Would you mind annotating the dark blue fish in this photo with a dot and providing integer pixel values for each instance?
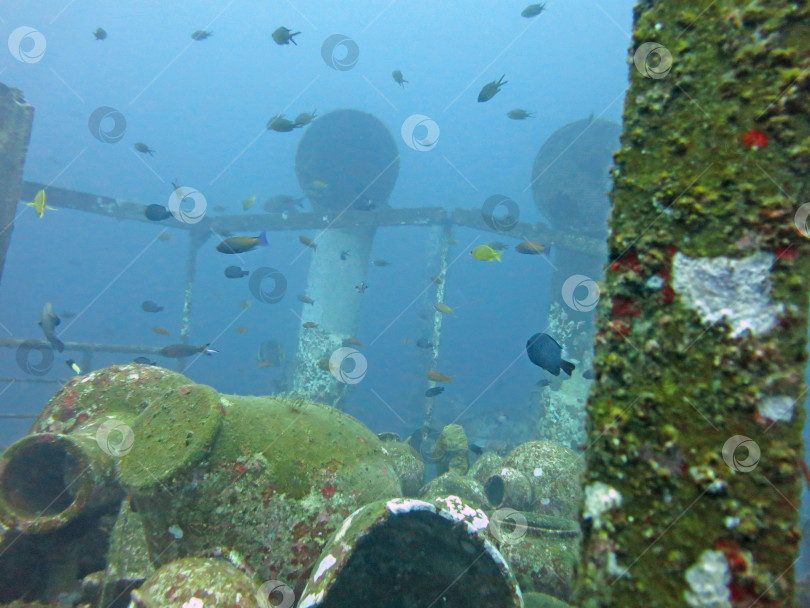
(544, 352)
(432, 392)
(157, 213)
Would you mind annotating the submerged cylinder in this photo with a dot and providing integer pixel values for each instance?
(347, 164)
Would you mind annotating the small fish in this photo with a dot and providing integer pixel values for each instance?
(235, 272)
(39, 204)
(444, 308)
(74, 366)
(240, 329)
(180, 351)
(361, 288)
(308, 242)
(498, 246)
(491, 88)
(245, 304)
(344, 254)
(279, 124)
(432, 392)
(100, 33)
(533, 10)
(143, 361)
(164, 236)
(305, 299)
(352, 342)
(436, 280)
(310, 325)
(150, 306)
(283, 202)
(242, 244)
(530, 248)
(588, 374)
(219, 208)
(263, 364)
(303, 119)
(424, 343)
(452, 241)
(67, 315)
(157, 213)
(248, 203)
(397, 76)
(48, 322)
(283, 35)
(381, 263)
(485, 253)
(161, 330)
(438, 377)
(519, 114)
(323, 365)
(544, 352)
(143, 148)
(318, 184)
(201, 34)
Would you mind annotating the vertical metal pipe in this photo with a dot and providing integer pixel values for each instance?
(16, 117)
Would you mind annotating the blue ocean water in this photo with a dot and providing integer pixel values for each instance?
(203, 106)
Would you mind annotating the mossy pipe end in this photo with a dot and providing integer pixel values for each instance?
(172, 435)
(48, 480)
(417, 550)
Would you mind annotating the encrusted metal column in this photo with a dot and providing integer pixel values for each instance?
(694, 449)
(16, 117)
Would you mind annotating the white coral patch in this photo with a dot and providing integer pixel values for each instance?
(406, 505)
(778, 408)
(456, 509)
(734, 291)
(708, 582)
(599, 499)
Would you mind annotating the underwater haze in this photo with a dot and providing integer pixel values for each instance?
(170, 97)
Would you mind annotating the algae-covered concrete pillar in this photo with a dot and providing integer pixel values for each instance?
(347, 163)
(16, 117)
(695, 417)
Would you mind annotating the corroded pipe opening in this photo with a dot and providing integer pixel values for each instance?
(495, 490)
(48, 479)
(508, 488)
(420, 558)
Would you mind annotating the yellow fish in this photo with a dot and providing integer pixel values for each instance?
(444, 308)
(248, 203)
(245, 304)
(39, 204)
(318, 184)
(485, 253)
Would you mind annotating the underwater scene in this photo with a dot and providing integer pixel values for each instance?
(307, 304)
